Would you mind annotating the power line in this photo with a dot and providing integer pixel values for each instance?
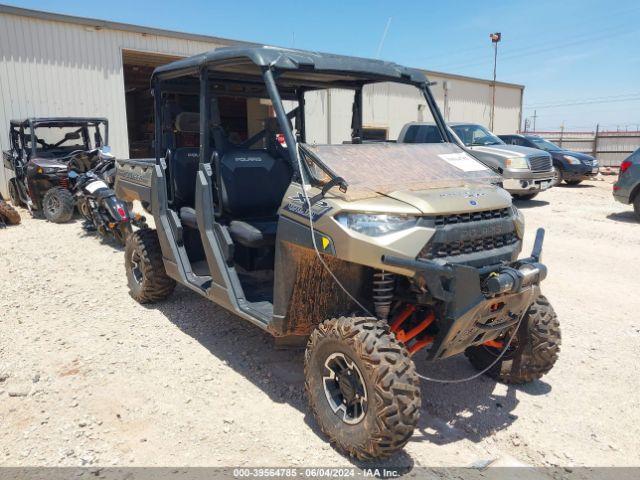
(577, 21)
(536, 50)
(588, 99)
(593, 102)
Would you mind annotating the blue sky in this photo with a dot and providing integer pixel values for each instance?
(579, 59)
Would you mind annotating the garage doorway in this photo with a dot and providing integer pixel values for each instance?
(138, 67)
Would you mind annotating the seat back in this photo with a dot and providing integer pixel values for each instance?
(252, 183)
(184, 168)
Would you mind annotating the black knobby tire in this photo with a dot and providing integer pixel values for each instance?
(573, 182)
(148, 281)
(14, 195)
(389, 377)
(636, 206)
(58, 205)
(527, 196)
(534, 352)
(9, 214)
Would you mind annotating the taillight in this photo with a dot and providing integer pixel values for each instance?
(624, 166)
(122, 212)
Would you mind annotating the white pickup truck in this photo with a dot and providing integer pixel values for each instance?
(525, 171)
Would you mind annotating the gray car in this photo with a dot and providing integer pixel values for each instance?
(525, 171)
(627, 188)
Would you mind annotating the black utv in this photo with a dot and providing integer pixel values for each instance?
(42, 152)
(367, 252)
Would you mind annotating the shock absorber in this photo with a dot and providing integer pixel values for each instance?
(383, 287)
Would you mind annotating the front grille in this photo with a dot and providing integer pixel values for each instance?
(441, 220)
(540, 164)
(472, 237)
(484, 244)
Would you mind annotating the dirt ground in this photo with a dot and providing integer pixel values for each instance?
(89, 377)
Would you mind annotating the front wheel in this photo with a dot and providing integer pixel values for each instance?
(57, 205)
(573, 182)
(148, 280)
(362, 386)
(533, 351)
(557, 176)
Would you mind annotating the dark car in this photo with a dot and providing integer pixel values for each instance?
(627, 188)
(572, 167)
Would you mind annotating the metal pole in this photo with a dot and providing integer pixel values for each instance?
(493, 99)
(595, 141)
(495, 38)
(535, 115)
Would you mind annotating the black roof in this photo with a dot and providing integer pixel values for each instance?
(57, 121)
(291, 59)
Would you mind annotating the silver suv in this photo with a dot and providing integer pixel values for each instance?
(525, 171)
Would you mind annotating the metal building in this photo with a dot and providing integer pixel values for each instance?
(60, 65)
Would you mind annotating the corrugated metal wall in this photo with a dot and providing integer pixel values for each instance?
(52, 68)
(61, 68)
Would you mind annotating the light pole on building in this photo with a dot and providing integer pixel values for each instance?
(495, 38)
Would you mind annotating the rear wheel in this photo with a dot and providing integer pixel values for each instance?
(533, 351)
(573, 182)
(636, 206)
(57, 205)
(122, 232)
(148, 280)
(13, 194)
(362, 386)
(9, 214)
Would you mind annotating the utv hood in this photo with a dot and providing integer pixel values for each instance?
(393, 169)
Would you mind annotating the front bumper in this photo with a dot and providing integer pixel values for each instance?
(480, 303)
(526, 182)
(579, 172)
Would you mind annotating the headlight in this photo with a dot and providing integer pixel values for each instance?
(517, 162)
(375, 225)
(519, 222)
(572, 160)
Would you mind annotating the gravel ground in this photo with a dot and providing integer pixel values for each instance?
(89, 377)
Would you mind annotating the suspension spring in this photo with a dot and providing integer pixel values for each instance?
(383, 287)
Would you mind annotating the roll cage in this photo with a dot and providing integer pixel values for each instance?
(22, 133)
(276, 74)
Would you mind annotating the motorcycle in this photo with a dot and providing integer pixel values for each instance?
(97, 202)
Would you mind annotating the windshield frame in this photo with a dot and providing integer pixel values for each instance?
(81, 125)
(357, 117)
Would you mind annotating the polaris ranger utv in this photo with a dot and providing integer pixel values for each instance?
(42, 152)
(370, 252)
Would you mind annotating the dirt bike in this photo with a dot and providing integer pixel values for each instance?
(97, 203)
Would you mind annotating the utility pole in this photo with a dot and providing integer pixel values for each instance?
(535, 115)
(495, 38)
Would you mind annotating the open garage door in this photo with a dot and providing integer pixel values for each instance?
(138, 67)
